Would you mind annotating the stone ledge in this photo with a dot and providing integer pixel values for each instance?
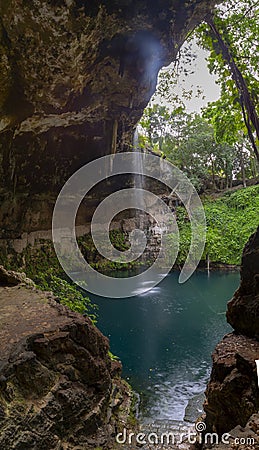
(58, 385)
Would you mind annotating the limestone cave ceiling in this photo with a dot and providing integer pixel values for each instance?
(75, 78)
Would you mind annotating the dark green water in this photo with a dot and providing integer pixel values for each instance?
(165, 338)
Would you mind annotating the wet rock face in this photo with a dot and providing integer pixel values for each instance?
(232, 394)
(58, 386)
(75, 78)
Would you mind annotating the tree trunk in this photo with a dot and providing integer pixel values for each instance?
(247, 104)
(226, 175)
(242, 165)
(213, 174)
(231, 179)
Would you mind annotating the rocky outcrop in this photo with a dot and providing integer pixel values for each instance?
(240, 438)
(59, 388)
(75, 78)
(232, 395)
(243, 309)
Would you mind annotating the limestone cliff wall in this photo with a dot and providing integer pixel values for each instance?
(75, 78)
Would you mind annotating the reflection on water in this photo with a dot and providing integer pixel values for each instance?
(165, 337)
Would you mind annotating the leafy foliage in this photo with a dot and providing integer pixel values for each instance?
(171, 80)
(238, 27)
(188, 141)
(119, 240)
(68, 293)
(42, 266)
(231, 219)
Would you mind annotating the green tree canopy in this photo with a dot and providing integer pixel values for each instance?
(232, 37)
(188, 141)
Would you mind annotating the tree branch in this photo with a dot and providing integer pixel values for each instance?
(246, 101)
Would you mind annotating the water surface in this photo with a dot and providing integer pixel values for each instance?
(165, 338)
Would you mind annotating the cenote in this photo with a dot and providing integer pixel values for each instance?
(165, 338)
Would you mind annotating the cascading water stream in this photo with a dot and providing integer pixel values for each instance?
(138, 182)
(146, 224)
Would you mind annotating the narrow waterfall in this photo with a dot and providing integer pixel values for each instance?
(152, 224)
(138, 181)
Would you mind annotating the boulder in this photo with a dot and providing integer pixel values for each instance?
(232, 395)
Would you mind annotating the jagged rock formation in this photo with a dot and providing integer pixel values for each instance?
(243, 309)
(240, 438)
(232, 393)
(59, 388)
(75, 78)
